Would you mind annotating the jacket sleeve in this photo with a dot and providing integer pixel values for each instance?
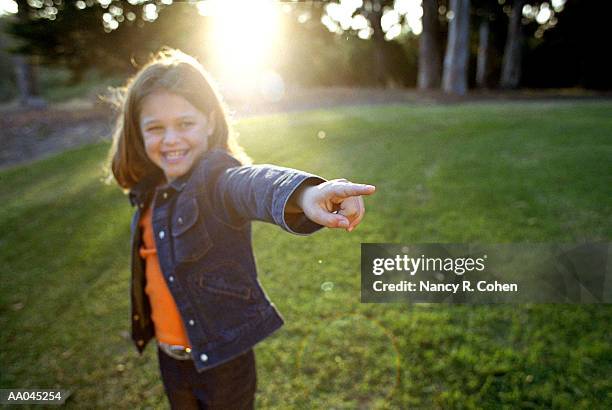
(240, 193)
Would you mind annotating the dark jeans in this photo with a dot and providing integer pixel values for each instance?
(230, 385)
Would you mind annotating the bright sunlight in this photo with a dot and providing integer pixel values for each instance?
(243, 38)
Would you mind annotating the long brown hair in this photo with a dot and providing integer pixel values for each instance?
(173, 71)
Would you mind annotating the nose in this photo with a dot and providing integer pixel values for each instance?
(171, 136)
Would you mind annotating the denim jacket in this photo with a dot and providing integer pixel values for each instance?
(201, 223)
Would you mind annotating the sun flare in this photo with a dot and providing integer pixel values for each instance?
(243, 36)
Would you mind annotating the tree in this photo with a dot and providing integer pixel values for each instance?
(84, 35)
(490, 30)
(26, 73)
(429, 47)
(383, 54)
(482, 65)
(373, 11)
(511, 65)
(454, 78)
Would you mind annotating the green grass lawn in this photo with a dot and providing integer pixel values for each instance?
(488, 173)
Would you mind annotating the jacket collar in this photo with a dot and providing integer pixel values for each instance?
(142, 193)
(179, 183)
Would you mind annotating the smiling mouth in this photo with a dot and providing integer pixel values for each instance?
(174, 156)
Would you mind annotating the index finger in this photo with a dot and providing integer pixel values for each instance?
(350, 189)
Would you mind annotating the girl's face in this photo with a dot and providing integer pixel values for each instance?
(175, 133)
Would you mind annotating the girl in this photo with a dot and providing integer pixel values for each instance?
(194, 284)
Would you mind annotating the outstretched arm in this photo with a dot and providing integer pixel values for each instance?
(297, 201)
(257, 192)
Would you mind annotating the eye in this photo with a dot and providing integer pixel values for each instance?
(186, 124)
(155, 128)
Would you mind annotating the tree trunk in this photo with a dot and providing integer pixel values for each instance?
(374, 15)
(26, 73)
(26, 80)
(511, 64)
(454, 79)
(482, 66)
(429, 48)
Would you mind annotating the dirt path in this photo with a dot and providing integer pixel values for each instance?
(28, 135)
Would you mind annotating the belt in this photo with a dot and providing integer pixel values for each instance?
(175, 351)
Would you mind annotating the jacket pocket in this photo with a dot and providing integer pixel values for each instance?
(190, 237)
(223, 288)
(226, 279)
(227, 298)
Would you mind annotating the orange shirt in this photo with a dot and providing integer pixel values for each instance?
(169, 327)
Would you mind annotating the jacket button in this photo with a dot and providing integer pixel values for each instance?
(203, 357)
(171, 278)
(180, 220)
(140, 342)
(141, 205)
(165, 195)
(191, 322)
(136, 317)
(162, 234)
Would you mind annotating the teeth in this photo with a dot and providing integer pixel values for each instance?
(174, 154)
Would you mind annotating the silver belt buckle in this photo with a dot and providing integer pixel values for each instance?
(175, 351)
